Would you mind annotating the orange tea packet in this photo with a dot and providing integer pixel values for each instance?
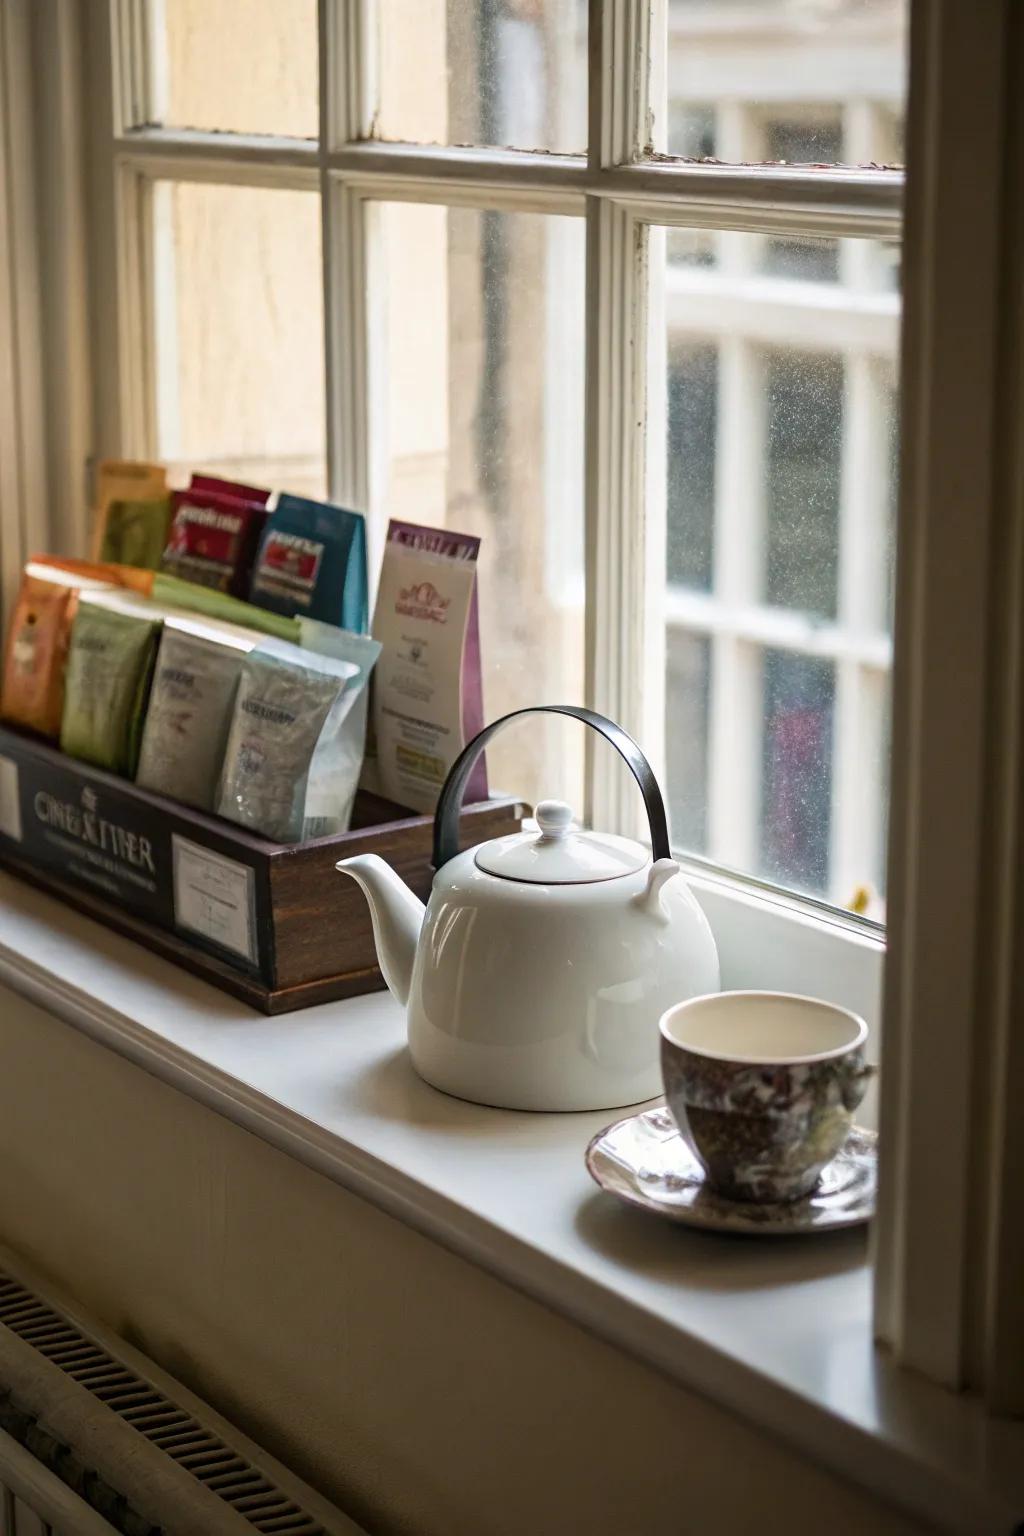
(105, 571)
(123, 480)
(37, 646)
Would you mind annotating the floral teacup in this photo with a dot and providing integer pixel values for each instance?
(763, 1086)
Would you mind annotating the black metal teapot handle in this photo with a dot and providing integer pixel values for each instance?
(449, 805)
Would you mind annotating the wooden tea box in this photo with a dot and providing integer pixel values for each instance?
(272, 923)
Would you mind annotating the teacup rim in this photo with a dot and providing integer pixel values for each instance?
(763, 1061)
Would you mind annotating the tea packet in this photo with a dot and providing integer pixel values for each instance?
(284, 698)
(190, 707)
(257, 495)
(173, 591)
(110, 661)
(427, 687)
(105, 572)
(135, 532)
(213, 538)
(37, 646)
(312, 561)
(123, 480)
(338, 759)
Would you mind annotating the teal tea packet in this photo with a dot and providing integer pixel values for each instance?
(190, 708)
(285, 696)
(135, 532)
(312, 562)
(110, 662)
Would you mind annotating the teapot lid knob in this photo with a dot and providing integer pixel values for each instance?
(554, 817)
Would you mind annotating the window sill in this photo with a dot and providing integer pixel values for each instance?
(779, 1333)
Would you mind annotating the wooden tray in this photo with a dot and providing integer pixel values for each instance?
(272, 923)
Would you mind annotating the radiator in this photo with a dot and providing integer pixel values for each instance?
(97, 1440)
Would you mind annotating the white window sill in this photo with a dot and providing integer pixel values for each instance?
(780, 1332)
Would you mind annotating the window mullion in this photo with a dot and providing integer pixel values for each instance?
(614, 432)
(615, 558)
(342, 108)
(348, 71)
(23, 477)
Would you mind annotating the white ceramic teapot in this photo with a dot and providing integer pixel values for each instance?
(537, 973)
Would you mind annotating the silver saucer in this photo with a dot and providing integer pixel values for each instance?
(644, 1161)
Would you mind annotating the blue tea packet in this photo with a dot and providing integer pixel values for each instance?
(312, 563)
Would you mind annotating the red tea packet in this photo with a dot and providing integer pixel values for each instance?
(214, 536)
(254, 493)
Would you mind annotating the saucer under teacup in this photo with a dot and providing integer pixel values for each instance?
(644, 1161)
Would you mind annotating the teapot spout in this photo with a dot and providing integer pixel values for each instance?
(397, 916)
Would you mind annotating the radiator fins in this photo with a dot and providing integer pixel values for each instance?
(172, 1430)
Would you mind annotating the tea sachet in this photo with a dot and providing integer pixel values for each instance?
(213, 538)
(190, 708)
(338, 759)
(123, 480)
(105, 572)
(257, 495)
(312, 561)
(284, 698)
(427, 687)
(37, 647)
(135, 532)
(221, 606)
(110, 661)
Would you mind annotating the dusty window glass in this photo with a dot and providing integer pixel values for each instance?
(815, 138)
(778, 499)
(234, 66)
(804, 411)
(508, 73)
(796, 769)
(478, 353)
(687, 695)
(743, 64)
(690, 511)
(691, 130)
(238, 322)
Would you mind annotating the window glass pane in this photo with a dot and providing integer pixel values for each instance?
(237, 66)
(477, 418)
(692, 414)
(510, 73)
(803, 393)
(773, 81)
(796, 769)
(687, 691)
(779, 507)
(238, 317)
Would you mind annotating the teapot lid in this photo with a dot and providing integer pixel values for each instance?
(559, 854)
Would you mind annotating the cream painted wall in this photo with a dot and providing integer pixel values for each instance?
(421, 1394)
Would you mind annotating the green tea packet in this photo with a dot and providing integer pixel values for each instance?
(110, 661)
(284, 698)
(135, 532)
(338, 759)
(220, 605)
(191, 703)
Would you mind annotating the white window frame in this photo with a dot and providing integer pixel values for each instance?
(953, 1075)
(623, 201)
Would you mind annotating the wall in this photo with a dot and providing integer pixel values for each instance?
(420, 1394)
